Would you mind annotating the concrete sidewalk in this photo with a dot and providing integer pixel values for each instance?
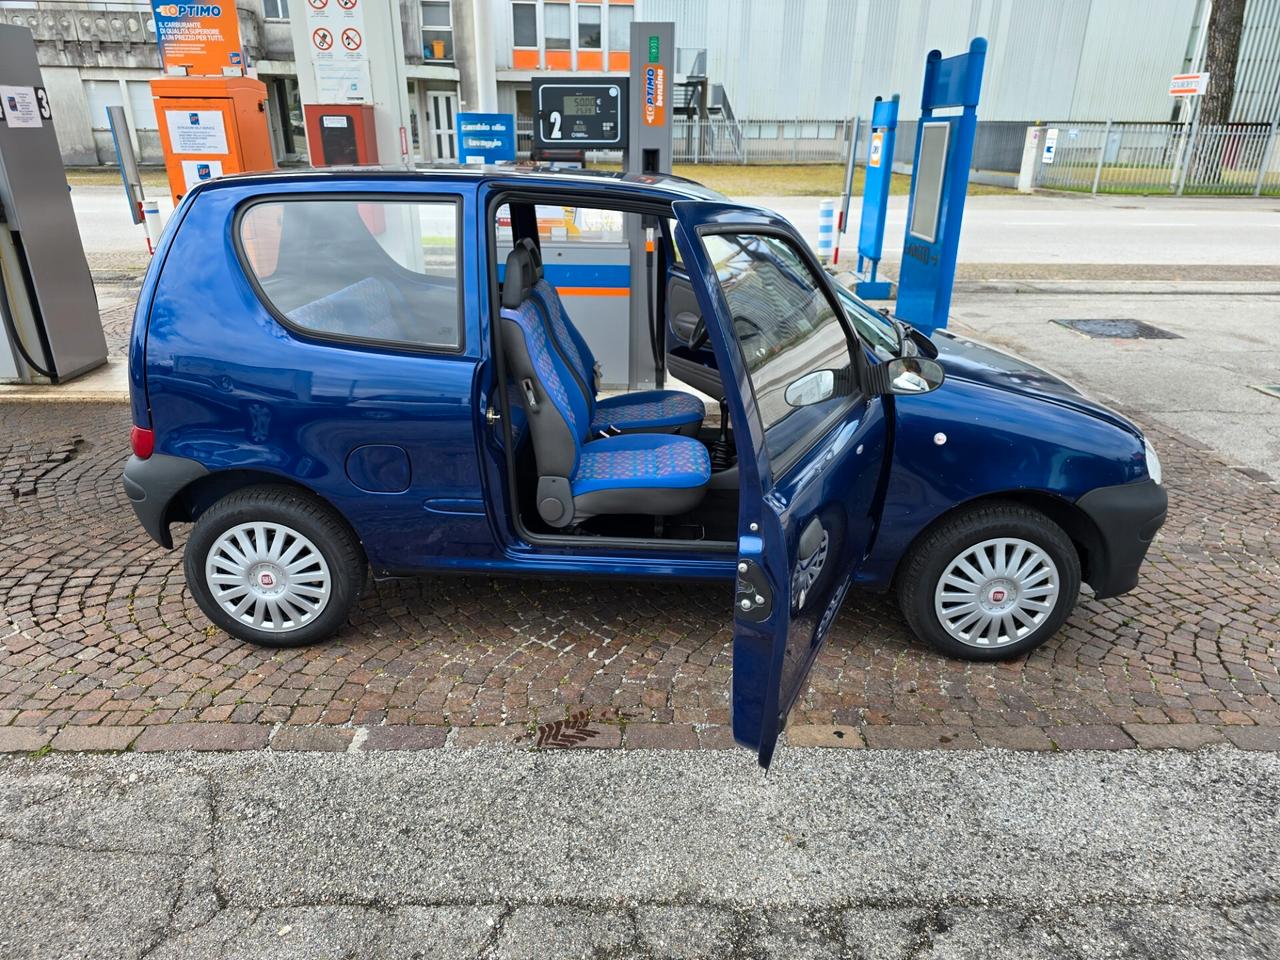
(1205, 384)
(492, 853)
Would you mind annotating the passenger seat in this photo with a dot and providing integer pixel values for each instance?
(580, 477)
(644, 411)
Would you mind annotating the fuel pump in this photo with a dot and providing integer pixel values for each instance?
(50, 327)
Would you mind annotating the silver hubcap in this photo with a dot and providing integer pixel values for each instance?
(996, 592)
(268, 576)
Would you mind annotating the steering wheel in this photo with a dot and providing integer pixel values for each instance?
(698, 339)
(756, 329)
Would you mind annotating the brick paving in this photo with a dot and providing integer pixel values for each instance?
(101, 647)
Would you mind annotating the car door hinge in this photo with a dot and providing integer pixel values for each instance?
(492, 417)
(753, 598)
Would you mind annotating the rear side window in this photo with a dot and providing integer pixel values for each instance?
(383, 271)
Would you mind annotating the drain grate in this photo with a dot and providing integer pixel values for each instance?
(1118, 329)
(1270, 389)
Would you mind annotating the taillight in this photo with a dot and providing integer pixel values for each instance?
(143, 442)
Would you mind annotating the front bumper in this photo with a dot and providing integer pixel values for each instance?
(1127, 518)
(151, 485)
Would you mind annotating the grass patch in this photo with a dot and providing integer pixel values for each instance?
(110, 177)
(749, 180)
(788, 180)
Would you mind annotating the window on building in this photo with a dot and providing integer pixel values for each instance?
(275, 9)
(588, 27)
(437, 30)
(555, 24)
(620, 18)
(393, 278)
(524, 24)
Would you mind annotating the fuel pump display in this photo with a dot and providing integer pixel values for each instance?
(579, 114)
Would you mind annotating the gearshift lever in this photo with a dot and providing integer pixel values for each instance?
(721, 451)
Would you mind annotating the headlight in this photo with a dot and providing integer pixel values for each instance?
(1153, 461)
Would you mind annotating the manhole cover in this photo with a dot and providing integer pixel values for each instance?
(1270, 389)
(1118, 329)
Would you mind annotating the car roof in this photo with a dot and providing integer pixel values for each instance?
(661, 186)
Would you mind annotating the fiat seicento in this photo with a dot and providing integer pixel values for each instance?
(418, 373)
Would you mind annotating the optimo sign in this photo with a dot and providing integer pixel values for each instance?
(654, 108)
(201, 38)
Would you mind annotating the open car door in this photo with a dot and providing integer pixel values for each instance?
(810, 442)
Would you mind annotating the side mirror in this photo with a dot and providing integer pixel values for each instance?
(905, 376)
(811, 388)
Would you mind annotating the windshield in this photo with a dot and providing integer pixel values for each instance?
(870, 325)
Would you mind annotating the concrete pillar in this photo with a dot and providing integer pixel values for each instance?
(474, 55)
(375, 71)
(71, 121)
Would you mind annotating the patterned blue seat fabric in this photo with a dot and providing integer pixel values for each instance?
(646, 411)
(579, 475)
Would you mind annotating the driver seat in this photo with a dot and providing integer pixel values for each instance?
(580, 477)
(644, 411)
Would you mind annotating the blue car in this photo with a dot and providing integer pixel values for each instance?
(415, 373)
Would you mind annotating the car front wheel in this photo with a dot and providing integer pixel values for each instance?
(991, 583)
(274, 566)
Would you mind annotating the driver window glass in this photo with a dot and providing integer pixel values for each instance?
(786, 329)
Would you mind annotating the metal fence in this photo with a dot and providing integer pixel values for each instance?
(1173, 158)
(1111, 157)
(738, 141)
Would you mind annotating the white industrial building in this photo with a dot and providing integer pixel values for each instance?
(790, 69)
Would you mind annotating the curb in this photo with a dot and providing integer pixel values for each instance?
(611, 735)
(1180, 288)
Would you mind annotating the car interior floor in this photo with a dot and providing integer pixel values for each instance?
(714, 520)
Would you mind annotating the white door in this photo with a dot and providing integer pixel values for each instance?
(444, 142)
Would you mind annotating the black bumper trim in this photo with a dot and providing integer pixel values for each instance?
(151, 485)
(1127, 518)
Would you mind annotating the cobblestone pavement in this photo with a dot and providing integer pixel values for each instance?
(102, 647)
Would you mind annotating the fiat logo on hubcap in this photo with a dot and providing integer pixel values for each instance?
(997, 596)
(266, 579)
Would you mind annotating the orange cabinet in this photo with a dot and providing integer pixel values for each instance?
(210, 126)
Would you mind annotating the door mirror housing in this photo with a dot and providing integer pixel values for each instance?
(906, 376)
(811, 388)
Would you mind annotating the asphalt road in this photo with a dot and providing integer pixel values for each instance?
(1068, 229)
(1008, 229)
(450, 853)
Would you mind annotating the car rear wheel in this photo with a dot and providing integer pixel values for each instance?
(274, 566)
(991, 583)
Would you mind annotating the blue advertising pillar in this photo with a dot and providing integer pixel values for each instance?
(875, 198)
(939, 181)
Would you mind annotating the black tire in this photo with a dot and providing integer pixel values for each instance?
(933, 553)
(308, 516)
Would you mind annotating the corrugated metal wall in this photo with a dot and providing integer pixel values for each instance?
(1047, 59)
(1258, 69)
(1078, 59)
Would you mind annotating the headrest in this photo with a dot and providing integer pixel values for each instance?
(518, 279)
(536, 255)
